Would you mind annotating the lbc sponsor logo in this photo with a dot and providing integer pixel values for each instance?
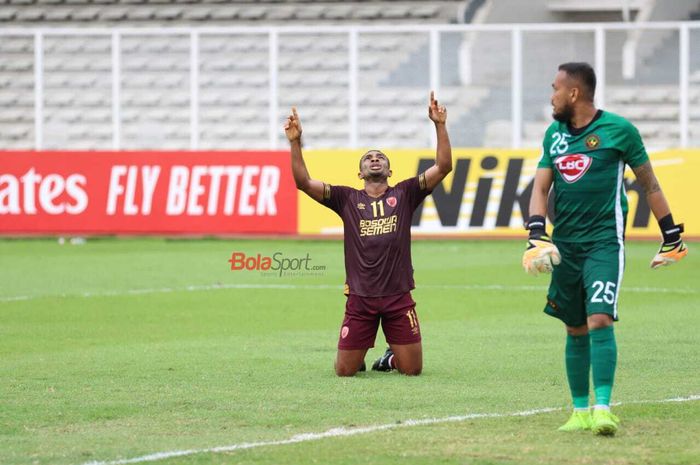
(573, 167)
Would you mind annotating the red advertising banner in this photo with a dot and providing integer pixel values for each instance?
(146, 193)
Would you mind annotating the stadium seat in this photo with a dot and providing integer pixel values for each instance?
(169, 14)
(695, 131)
(252, 13)
(201, 14)
(17, 81)
(332, 43)
(18, 44)
(141, 14)
(290, 43)
(140, 98)
(653, 94)
(93, 98)
(425, 11)
(17, 63)
(65, 115)
(335, 114)
(621, 94)
(397, 12)
(10, 115)
(370, 60)
(59, 98)
(666, 112)
(29, 14)
(309, 12)
(223, 12)
(250, 80)
(493, 136)
(114, 14)
(337, 12)
(281, 13)
(97, 115)
(14, 131)
(671, 131)
(8, 13)
(633, 112)
(649, 130)
(224, 98)
(169, 45)
(6, 80)
(59, 14)
(84, 13)
(365, 12)
(214, 114)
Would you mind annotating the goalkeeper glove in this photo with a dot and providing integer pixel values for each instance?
(541, 255)
(672, 248)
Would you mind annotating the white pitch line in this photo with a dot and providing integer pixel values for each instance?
(345, 432)
(213, 287)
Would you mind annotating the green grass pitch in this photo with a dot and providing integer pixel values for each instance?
(117, 349)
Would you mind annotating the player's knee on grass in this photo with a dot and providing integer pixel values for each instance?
(411, 370)
(348, 362)
(345, 370)
(408, 358)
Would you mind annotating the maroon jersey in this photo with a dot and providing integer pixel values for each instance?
(377, 236)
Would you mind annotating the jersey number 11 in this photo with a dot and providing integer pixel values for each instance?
(378, 206)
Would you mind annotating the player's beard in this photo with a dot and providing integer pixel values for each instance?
(565, 115)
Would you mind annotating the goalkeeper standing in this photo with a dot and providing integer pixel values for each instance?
(584, 155)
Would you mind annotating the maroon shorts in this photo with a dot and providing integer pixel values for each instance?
(363, 314)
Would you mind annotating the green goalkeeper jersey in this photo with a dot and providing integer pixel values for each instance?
(590, 203)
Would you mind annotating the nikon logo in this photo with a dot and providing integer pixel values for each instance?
(449, 199)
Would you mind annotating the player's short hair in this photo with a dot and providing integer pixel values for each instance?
(388, 163)
(583, 73)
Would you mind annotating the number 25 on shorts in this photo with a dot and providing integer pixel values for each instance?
(603, 292)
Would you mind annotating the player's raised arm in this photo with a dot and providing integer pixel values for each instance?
(672, 248)
(443, 158)
(292, 129)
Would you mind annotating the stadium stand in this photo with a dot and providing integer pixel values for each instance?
(233, 75)
(649, 97)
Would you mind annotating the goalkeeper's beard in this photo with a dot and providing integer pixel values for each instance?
(565, 115)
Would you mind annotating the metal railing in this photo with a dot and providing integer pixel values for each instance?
(434, 33)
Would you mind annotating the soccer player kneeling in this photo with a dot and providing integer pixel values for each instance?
(377, 230)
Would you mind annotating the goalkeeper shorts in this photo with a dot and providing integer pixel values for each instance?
(587, 281)
(397, 314)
